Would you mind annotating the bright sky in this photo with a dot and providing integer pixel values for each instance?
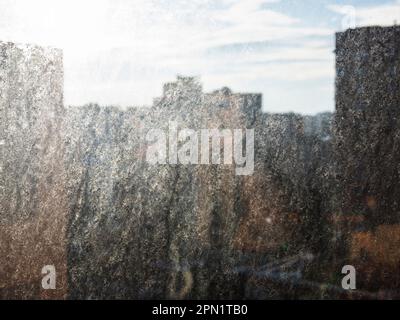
(120, 52)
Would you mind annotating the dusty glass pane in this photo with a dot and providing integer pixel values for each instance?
(202, 193)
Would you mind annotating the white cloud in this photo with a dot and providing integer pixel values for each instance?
(383, 14)
(252, 12)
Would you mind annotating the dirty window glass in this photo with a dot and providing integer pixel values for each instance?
(218, 149)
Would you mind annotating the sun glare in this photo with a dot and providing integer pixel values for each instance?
(69, 24)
